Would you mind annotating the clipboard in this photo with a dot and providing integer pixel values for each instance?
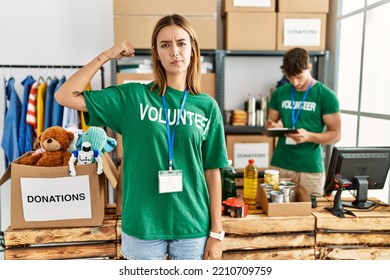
(279, 132)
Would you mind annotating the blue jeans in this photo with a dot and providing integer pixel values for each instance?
(184, 249)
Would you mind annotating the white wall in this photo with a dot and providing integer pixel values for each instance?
(49, 32)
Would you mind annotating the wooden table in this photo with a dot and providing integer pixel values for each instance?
(274, 238)
(319, 235)
(63, 243)
(364, 237)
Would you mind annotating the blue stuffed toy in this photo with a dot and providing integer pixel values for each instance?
(91, 145)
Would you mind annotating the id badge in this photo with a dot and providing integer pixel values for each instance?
(170, 181)
(290, 141)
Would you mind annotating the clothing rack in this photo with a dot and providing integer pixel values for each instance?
(53, 67)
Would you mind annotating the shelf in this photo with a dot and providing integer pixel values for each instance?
(267, 53)
(319, 59)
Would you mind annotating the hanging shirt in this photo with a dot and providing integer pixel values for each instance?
(11, 123)
(48, 119)
(41, 96)
(31, 116)
(5, 98)
(26, 136)
(70, 118)
(58, 109)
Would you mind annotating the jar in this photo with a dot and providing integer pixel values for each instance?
(271, 176)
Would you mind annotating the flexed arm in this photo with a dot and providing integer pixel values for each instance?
(69, 94)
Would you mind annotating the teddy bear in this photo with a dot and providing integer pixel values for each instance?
(55, 141)
(91, 145)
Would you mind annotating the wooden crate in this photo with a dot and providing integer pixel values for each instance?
(260, 237)
(119, 238)
(273, 238)
(364, 237)
(62, 243)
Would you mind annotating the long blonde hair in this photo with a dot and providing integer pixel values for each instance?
(194, 68)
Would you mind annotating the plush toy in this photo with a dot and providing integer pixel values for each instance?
(76, 133)
(91, 145)
(54, 141)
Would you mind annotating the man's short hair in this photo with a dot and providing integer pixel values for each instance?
(295, 61)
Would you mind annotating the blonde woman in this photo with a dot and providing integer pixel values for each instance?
(173, 142)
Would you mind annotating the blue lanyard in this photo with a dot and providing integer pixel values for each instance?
(295, 117)
(171, 138)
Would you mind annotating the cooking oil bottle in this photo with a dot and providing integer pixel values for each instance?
(250, 185)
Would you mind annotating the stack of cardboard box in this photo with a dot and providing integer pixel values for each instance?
(302, 23)
(275, 24)
(134, 20)
(249, 25)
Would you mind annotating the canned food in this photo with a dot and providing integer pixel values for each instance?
(271, 176)
(276, 197)
(287, 187)
(268, 188)
(287, 183)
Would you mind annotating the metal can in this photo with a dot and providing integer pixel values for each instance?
(268, 188)
(271, 176)
(276, 197)
(288, 189)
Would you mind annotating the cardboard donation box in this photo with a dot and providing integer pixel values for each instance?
(130, 15)
(241, 148)
(46, 197)
(248, 6)
(250, 31)
(306, 30)
(299, 206)
(303, 6)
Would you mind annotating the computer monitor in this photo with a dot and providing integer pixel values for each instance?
(365, 167)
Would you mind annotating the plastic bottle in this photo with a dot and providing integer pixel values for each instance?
(228, 178)
(251, 111)
(250, 185)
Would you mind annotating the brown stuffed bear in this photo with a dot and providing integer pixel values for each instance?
(55, 141)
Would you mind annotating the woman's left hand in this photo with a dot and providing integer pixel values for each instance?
(213, 249)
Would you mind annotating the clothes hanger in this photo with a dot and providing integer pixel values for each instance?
(3, 73)
(48, 78)
(40, 77)
(55, 76)
(11, 76)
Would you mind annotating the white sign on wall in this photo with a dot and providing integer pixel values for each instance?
(245, 151)
(252, 3)
(302, 32)
(48, 199)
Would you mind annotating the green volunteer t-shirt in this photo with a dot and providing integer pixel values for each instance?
(305, 157)
(199, 144)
